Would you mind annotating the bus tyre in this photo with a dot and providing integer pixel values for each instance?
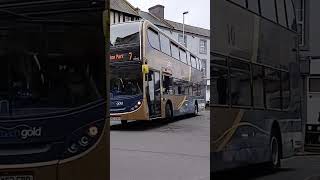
(275, 162)
(169, 114)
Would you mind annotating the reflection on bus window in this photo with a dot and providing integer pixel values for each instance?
(125, 36)
(273, 89)
(257, 78)
(220, 86)
(126, 81)
(47, 80)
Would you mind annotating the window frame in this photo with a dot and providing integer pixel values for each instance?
(250, 72)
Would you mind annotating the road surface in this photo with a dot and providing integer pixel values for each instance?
(295, 168)
(162, 151)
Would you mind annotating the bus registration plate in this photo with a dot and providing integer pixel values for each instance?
(18, 177)
(112, 119)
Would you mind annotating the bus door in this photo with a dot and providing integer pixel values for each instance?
(154, 94)
(313, 103)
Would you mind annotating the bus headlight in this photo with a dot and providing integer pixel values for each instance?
(136, 106)
(83, 138)
(309, 128)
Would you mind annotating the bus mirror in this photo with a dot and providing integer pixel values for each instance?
(145, 69)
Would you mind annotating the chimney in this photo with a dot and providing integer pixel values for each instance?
(158, 11)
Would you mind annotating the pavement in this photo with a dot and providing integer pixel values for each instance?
(157, 150)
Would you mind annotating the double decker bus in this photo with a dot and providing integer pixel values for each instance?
(152, 75)
(53, 90)
(256, 84)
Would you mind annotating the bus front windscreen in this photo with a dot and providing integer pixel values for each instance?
(47, 67)
(126, 80)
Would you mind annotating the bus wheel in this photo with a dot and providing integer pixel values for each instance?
(274, 151)
(169, 114)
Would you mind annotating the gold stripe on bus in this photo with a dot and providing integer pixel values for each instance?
(232, 131)
(237, 126)
(183, 101)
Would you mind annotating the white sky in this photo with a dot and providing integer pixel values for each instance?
(199, 10)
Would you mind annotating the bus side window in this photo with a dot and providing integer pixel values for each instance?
(286, 94)
(272, 88)
(154, 39)
(175, 51)
(258, 86)
(183, 56)
(165, 44)
(188, 59)
(167, 85)
(281, 13)
(253, 5)
(291, 15)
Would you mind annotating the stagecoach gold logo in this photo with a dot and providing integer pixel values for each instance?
(21, 132)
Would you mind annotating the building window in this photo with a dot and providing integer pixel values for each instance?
(180, 39)
(203, 46)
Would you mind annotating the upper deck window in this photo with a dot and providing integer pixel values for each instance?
(281, 13)
(240, 2)
(253, 5)
(183, 56)
(124, 34)
(165, 44)
(291, 15)
(154, 39)
(268, 9)
(175, 51)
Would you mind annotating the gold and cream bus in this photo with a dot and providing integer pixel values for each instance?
(255, 84)
(152, 75)
(53, 90)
